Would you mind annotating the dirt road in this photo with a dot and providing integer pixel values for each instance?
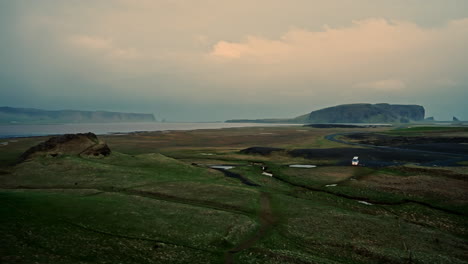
(267, 221)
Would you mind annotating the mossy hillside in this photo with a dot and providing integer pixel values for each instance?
(50, 218)
(311, 229)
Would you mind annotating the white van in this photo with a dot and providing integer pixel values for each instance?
(355, 161)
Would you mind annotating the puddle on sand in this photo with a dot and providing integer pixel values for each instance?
(302, 166)
(222, 167)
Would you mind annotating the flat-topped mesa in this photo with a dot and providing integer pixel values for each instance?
(366, 113)
(353, 113)
(86, 144)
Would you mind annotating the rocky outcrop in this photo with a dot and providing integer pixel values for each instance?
(366, 113)
(86, 144)
(260, 150)
(29, 115)
(353, 113)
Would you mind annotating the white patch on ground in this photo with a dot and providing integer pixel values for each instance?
(223, 167)
(267, 174)
(207, 154)
(364, 202)
(302, 166)
(331, 185)
(3, 143)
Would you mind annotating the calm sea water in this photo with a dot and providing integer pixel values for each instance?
(9, 131)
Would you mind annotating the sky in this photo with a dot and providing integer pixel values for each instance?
(211, 60)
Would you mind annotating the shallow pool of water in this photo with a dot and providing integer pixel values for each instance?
(222, 167)
(364, 202)
(303, 166)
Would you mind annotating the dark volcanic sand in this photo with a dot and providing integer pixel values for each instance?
(453, 145)
(388, 151)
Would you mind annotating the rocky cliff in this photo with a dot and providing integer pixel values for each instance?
(365, 113)
(29, 115)
(354, 113)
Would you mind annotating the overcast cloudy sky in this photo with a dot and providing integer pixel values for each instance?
(202, 60)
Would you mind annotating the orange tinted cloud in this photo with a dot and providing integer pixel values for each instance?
(379, 54)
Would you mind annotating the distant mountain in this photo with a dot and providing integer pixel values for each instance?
(354, 113)
(38, 116)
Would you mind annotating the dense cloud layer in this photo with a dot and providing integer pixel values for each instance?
(375, 55)
(215, 60)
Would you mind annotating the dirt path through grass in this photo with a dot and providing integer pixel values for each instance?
(265, 214)
(146, 194)
(267, 220)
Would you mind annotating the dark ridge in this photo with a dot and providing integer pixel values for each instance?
(366, 113)
(353, 113)
(344, 126)
(260, 150)
(332, 126)
(398, 141)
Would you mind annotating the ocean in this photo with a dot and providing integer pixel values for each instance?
(12, 131)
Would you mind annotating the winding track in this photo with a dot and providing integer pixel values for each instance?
(265, 216)
(146, 194)
(267, 220)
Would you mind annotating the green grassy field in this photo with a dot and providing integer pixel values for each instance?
(155, 200)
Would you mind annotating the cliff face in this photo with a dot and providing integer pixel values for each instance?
(353, 113)
(365, 113)
(28, 115)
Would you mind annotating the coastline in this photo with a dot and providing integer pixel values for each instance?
(26, 131)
